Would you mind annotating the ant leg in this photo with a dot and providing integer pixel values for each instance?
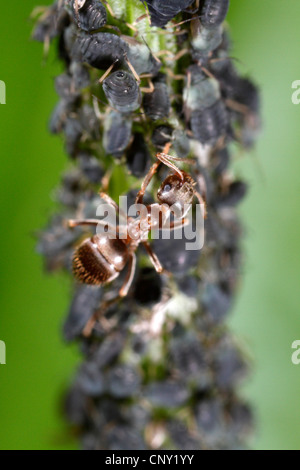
(111, 202)
(122, 293)
(129, 278)
(123, 219)
(154, 259)
(74, 223)
(105, 181)
(189, 161)
(163, 157)
(87, 330)
(179, 223)
(112, 230)
(146, 182)
(149, 176)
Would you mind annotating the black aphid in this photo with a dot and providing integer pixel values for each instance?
(209, 124)
(90, 17)
(85, 301)
(122, 91)
(213, 12)
(51, 23)
(90, 167)
(201, 91)
(138, 156)
(233, 194)
(100, 50)
(117, 133)
(141, 57)
(174, 256)
(204, 40)
(157, 104)
(161, 136)
(162, 11)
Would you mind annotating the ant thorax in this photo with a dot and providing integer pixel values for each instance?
(156, 216)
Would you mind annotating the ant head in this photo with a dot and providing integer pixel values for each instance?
(176, 189)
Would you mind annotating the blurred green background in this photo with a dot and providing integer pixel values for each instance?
(266, 317)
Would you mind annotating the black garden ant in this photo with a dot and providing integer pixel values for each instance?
(100, 259)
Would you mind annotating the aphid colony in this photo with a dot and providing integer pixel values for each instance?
(151, 106)
(216, 106)
(211, 111)
(101, 258)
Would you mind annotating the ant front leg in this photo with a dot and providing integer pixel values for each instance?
(167, 160)
(149, 176)
(140, 195)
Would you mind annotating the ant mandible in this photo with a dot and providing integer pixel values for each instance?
(100, 259)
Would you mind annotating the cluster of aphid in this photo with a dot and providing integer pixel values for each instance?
(160, 369)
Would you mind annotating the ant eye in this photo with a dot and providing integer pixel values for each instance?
(167, 188)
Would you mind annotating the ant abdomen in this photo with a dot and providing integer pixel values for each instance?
(99, 259)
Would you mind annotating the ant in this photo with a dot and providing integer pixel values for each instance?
(100, 259)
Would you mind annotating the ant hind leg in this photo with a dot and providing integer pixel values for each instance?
(87, 330)
(154, 259)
